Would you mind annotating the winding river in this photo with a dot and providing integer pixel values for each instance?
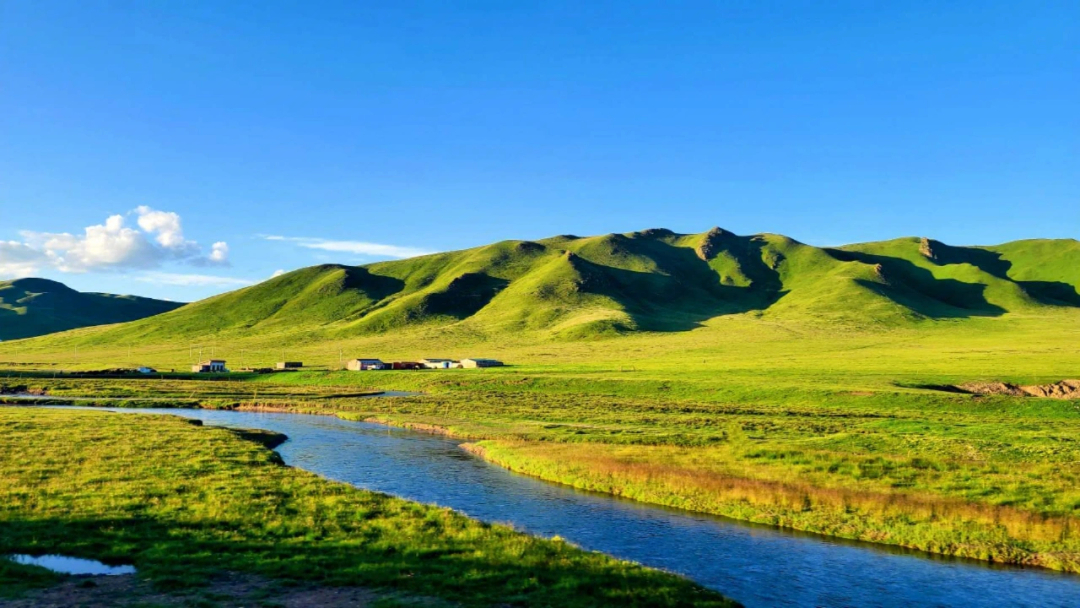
(757, 566)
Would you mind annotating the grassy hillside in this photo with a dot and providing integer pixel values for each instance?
(34, 307)
(939, 280)
(570, 288)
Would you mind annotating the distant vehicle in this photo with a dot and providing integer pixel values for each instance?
(146, 370)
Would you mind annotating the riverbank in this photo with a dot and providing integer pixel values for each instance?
(185, 503)
(925, 523)
(984, 478)
(987, 485)
(855, 434)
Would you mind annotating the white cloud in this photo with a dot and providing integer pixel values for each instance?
(108, 245)
(191, 280)
(219, 253)
(166, 229)
(19, 260)
(277, 273)
(111, 245)
(356, 247)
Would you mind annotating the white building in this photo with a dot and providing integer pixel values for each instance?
(437, 363)
(213, 366)
(469, 363)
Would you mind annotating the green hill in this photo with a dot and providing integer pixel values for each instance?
(570, 287)
(936, 280)
(34, 307)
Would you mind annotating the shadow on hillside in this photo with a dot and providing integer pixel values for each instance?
(464, 296)
(686, 291)
(376, 286)
(1052, 292)
(934, 308)
(989, 262)
(1055, 293)
(919, 290)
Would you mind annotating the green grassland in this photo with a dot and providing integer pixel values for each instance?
(841, 432)
(753, 377)
(185, 503)
(34, 307)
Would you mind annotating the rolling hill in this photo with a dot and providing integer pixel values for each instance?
(34, 307)
(569, 287)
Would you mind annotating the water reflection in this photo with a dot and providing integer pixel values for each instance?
(71, 565)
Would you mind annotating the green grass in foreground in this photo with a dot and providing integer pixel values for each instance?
(824, 429)
(183, 503)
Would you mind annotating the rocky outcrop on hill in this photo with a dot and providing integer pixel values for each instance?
(926, 248)
(712, 243)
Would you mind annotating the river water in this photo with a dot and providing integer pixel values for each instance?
(755, 565)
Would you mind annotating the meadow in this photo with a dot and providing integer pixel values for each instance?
(187, 504)
(848, 432)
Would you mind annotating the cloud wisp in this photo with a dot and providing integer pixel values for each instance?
(354, 247)
(191, 280)
(156, 238)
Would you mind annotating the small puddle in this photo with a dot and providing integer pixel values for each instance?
(71, 565)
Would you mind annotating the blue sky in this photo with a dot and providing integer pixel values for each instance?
(358, 131)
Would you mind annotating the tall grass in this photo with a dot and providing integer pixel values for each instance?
(922, 521)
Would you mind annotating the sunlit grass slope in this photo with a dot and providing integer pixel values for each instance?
(571, 288)
(34, 307)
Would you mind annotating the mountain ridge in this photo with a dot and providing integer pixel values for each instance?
(33, 307)
(570, 287)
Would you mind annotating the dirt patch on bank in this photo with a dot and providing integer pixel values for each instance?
(230, 591)
(21, 389)
(1066, 389)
